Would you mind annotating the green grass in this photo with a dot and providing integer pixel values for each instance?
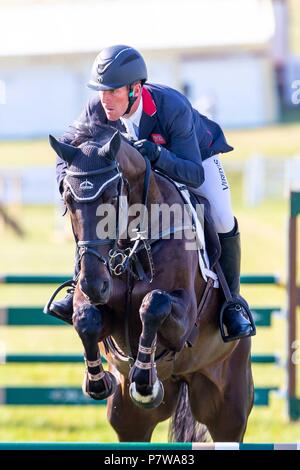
(46, 250)
(50, 424)
(24, 153)
(42, 248)
(270, 141)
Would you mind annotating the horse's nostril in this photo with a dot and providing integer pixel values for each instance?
(95, 292)
(104, 287)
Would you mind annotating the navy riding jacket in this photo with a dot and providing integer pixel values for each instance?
(168, 119)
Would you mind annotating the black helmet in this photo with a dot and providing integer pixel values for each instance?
(117, 66)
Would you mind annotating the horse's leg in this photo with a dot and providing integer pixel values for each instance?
(230, 422)
(224, 407)
(88, 322)
(157, 308)
(133, 424)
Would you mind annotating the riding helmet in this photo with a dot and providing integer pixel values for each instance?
(117, 66)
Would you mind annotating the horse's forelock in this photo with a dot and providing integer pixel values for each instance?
(95, 132)
(94, 136)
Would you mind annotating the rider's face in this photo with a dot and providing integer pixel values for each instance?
(114, 102)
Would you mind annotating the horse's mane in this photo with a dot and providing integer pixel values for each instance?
(93, 131)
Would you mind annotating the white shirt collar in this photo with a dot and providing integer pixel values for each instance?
(135, 118)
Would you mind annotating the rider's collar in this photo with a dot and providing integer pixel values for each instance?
(149, 106)
(136, 116)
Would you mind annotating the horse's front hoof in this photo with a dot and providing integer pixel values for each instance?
(147, 401)
(100, 389)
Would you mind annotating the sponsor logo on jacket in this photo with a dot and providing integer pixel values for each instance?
(158, 139)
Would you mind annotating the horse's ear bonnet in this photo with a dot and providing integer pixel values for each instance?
(92, 168)
(65, 151)
(111, 149)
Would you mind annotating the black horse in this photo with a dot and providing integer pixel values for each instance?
(141, 299)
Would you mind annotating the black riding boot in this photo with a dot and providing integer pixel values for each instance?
(63, 309)
(237, 313)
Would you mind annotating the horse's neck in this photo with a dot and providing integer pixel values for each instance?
(161, 193)
(134, 169)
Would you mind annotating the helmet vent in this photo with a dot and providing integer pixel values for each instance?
(101, 68)
(130, 58)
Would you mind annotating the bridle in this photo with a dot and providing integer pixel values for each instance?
(118, 260)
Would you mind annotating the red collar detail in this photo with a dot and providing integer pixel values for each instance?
(149, 107)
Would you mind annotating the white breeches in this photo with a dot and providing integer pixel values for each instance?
(217, 191)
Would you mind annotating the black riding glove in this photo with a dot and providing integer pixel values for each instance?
(148, 149)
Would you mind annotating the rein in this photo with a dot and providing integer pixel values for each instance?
(119, 260)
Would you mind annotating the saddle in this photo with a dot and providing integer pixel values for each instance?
(212, 242)
(206, 237)
(209, 248)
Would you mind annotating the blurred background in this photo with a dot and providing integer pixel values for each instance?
(238, 61)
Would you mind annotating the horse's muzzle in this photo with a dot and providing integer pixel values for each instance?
(96, 292)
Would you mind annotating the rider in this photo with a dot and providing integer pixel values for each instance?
(178, 140)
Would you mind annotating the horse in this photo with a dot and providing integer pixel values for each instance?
(138, 300)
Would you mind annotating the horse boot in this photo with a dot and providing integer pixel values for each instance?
(235, 314)
(63, 309)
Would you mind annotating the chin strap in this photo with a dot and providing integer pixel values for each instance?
(131, 100)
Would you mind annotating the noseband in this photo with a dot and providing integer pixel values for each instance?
(85, 248)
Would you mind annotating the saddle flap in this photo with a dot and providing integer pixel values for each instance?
(212, 242)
